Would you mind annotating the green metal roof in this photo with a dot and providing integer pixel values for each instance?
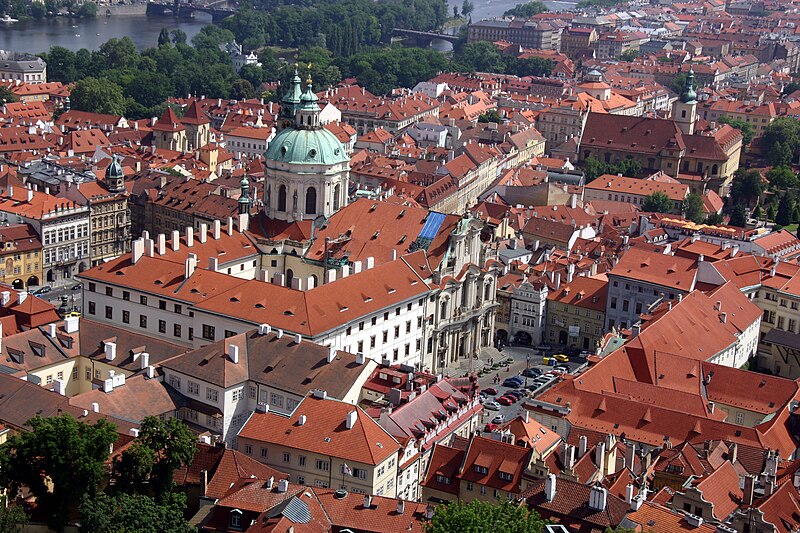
(307, 146)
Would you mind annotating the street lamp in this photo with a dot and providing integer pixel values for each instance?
(527, 363)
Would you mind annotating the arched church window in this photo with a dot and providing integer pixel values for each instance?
(337, 192)
(311, 201)
(282, 198)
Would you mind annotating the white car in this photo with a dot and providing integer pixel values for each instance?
(498, 419)
(491, 405)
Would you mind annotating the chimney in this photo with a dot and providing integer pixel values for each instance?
(429, 512)
(749, 486)
(190, 265)
(270, 482)
(630, 454)
(360, 358)
(597, 498)
(330, 275)
(95, 407)
(110, 349)
(278, 333)
(297, 283)
(277, 279)
(244, 222)
(345, 271)
(215, 229)
(367, 501)
(233, 353)
(283, 485)
(21, 296)
(629, 493)
(176, 240)
(144, 360)
(204, 481)
(370, 263)
(733, 452)
(151, 371)
(213, 264)
(310, 283)
(189, 236)
(600, 456)
(582, 443)
(229, 227)
(51, 330)
(59, 387)
(149, 247)
(203, 233)
(264, 329)
(350, 419)
(357, 267)
(108, 385)
(331, 354)
(723, 317)
(550, 487)
(298, 338)
(301, 420)
(5, 297)
(137, 250)
(71, 324)
(30, 195)
(401, 506)
(134, 432)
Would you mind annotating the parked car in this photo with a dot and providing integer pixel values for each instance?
(504, 400)
(513, 383)
(43, 290)
(75, 287)
(512, 398)
(532, 372)
(491, 405)
(498, 419)
(488, 428)
(562, 369)
(561, 358)
(489, 391)
(519, 393)
(544, 347)
(584, 354)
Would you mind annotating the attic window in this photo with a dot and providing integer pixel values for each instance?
(235, 299)
(259, 306)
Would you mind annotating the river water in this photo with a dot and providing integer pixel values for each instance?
(39, 35)
(74, 34)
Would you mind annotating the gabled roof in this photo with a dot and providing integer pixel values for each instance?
(168, 122)
(324, 431)
(678, 273)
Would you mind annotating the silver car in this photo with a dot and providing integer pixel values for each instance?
(491, 405)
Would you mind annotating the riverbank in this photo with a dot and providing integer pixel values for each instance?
(122, 10)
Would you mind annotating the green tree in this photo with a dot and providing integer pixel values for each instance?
(134, 513)
(163, 37)
(88, 10)
(693, 208)
(678, 84)
(58, 451)
(480, 56)
(491, 116)
(745, 127)
(177, 36)
(38, 10)
(714, 219)
(782, 177)
(467, 7)
(61, 65)
(791, 87)
(757, 214)
(118, 54)
(242, 90)
(7, 95)
(630, 55)
(98, 96)
(12, 518)
(478, 517)
(738, 216)
(781, 141)
(785, 213)
(658, 202)
(526, 10)
(161, 447)
(746, 187)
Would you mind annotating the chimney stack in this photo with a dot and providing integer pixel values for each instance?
(176, 240)
(190, 266)
(216, 229)
(189, 236)
(233, 353)
(137, 250)
(161, 244)
(203, 233)
(550, 487)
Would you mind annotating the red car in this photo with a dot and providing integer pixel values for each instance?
(505, 400)
(513, 398)
(489, 391)
(490, 427)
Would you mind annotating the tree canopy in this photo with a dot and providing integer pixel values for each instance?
(745, 127)
(58, 451)
(478, 517)
(746, 187)
(592, 168)
(693, 208)
(658, 202)
(526, 10)
(134, 513)
(738, 216)
(782, 177)
(781, 141)
(786, 210)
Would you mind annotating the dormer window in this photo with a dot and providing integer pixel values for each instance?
(236, 519)
(481, 470)
(442, 479)
(506, 476)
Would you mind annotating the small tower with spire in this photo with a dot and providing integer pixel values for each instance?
(307, 115)
(244, 197)
(115, 178)
(684, 110)
(290, 102)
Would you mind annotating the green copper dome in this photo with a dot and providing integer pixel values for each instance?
(306, 146)
(114, 170)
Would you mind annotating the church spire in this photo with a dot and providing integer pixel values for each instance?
(689, 95)
(291, 99)
(244, 197)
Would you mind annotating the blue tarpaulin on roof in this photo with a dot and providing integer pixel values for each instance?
(432, 225)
